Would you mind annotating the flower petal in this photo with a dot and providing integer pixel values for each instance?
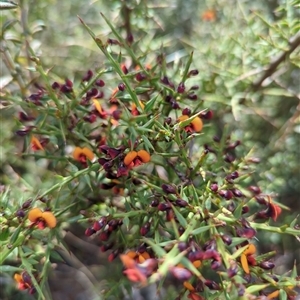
(244, 263)
(49, 218)
(34, 214)
(250, 250)
(35, 144)
(144, 156)
(130, 156)
(88, 153)
(197, 124)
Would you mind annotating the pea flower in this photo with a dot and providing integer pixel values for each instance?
(136, 158)
(36, 144)
(24, 282)
(82, 154)
(196, 124)
(42, 219)
(247, 257)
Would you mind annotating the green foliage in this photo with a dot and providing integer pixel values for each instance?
(146, 132)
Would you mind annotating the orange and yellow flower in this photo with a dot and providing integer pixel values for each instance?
(82, 154)
(42, 219)
(36, 144)
(196, 124)
(136, 158)
(247, 257)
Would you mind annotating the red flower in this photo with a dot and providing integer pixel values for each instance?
(42, 219)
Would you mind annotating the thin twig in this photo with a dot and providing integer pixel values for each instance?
(294, 42)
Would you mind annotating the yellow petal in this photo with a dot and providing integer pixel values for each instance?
(244, 263)
(188, 286)
(88, 153)
(18, 278)
(273, 295)
(49, 218)
(34, 214)
(35, 143)
(130, 156)
(250, 250)
(144, 156)
(197, 124)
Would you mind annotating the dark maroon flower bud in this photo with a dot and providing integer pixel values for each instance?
(207, 115)
(100, 82)
(106, 247)
(68, 83)
(211, 244)
(229, 158)
(104, 236)
(254, 189)
(246, 232)
(87, 76)
(192, 96)
(92, 93)
(89, 231)
(116, 114)
(181, 88)
(233, 270)
(168, 120)
(237, 193)
(209, 148)
(233, 175)
(122, 170)
(25, 118)
(186, 111)
(99, 224)
(231, 206)
(91, 118)
(267, 265)
(254, 160)
(55, 85)
(108, 165)
(65, 89)
(107, 186)
(169, 215)
(103, 161)
(181, 203)
(174, 104)
(245, 223)
(233, 145)
(216, 139)
(145, 229)
(195, 255)
(142, 248)
(212, 285)
(261, 200)
(182, 246)
(227, 194)
(215, 264)
(112, 225)
(169, 189)
(226, 239)
(129, 38)
(26, 204)
(181, 273)
(154, 203)
(241, 290)
(165, 80)
(113, 42)
(24, 131)
(193, 73)
(20, 213)
(113, 255)
(181, 230)
(194, 88)
(245, 209)
(214, 187)
(169, 98)
(140, 77)
(121, 87)
(32, 291)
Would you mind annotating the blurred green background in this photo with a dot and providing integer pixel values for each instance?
(233, 43)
